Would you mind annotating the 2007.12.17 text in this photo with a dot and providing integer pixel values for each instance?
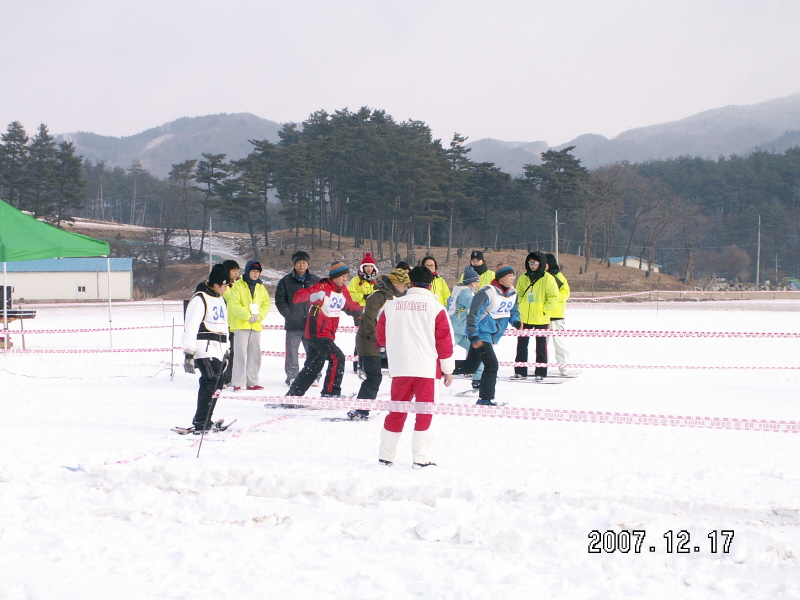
(626, 541)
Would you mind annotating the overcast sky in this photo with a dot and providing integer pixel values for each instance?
(517, 70)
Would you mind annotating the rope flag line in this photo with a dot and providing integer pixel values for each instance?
(95, 330)
(610, 333)
(533, 414)
(276, 354)
(501, 363)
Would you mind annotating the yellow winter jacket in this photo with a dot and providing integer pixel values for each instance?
(239, 302)
(359, 289)
(440, 290)
(563, 294)
(537, 301)
(486, 278)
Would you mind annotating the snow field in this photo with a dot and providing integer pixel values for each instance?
(287, 506)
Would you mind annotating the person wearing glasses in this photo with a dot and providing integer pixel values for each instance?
(538, 297)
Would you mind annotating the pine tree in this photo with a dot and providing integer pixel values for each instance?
(41, 181)
(13, 162)
(69, 178)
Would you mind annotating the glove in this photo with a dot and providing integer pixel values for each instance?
(225, 360)
(357, 321)
(188, 363)
(254, 319)
(316, 297)
(517, 324)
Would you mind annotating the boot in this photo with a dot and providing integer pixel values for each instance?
(420, 445)
(389, 441)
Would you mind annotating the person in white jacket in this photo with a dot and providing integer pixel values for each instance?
(205, 342)
(418, 337)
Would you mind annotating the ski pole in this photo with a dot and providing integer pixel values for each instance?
(211, 404)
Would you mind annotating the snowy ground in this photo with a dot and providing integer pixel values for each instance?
(98, 499)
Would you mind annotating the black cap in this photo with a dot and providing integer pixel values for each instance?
(476, 254)
(300, 255)
(219, 275)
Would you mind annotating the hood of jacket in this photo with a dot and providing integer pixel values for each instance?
(552, 265)
(536, 275)
(251, 283)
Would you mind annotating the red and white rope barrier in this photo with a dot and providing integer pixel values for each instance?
(94, 330)
(348, 357)
(534, 414)
(609, 333)
(501, 363)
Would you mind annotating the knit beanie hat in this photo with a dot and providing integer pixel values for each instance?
(338, 268)
(399, 276)
(368, 260)
(470, 275)
(219, 275)
(476, 254)
(300, 255)
(503, 270)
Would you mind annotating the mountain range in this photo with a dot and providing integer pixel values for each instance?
(187, 138)
(773, 125)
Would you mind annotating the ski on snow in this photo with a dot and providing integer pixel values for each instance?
(215, 426)
(544, 381)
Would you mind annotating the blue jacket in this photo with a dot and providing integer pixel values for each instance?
(458, 308)
(480, 324)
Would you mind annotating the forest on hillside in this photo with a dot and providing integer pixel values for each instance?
(364, 175)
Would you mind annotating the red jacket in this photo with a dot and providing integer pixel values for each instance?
(323, 318)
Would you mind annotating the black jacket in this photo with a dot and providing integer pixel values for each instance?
(293, 314)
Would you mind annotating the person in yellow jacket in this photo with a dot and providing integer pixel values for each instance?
(233, 268)
(557, 315)
(537, 293)
(360, 288)
(477, 262)
(248, 305)
(439, 286)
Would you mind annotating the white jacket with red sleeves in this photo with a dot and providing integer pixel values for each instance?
(417, 335)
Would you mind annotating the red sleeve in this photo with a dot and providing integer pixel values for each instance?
(303, 294)
(349, 303)
(380, 329)
(444, 337)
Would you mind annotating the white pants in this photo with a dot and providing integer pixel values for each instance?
(246, 357)
(560, 343)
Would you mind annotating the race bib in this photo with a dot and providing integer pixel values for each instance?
(332, 305)
(501, 306)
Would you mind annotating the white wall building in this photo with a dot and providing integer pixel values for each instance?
(635, 262)
(70, 279)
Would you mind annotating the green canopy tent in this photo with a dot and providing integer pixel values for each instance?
(24, 238)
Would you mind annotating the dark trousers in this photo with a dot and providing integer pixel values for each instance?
(211, 382)
(371, 365)
(483, 354)
(319, 351)
(228, 374)
(541, 352)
